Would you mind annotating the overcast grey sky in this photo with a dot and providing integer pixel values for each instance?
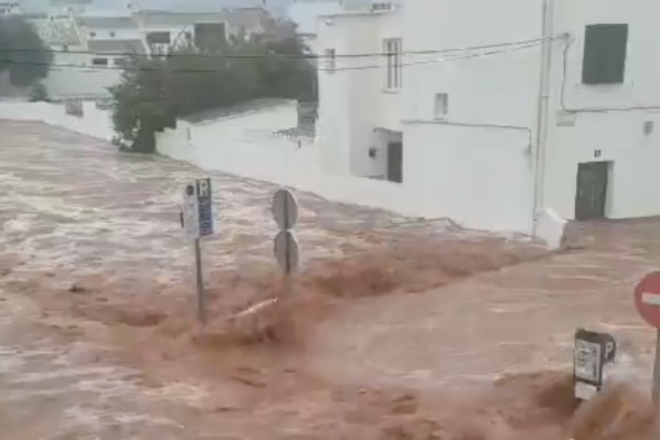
(167, 4)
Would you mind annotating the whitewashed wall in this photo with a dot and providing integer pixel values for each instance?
(474, 160)
(174, 143)
(609, 119)
(73, 76)
(353, 99)
(285, 161)
(94, 122)
(478, 176)
(112, 33)
(233, 145)
(244, 144)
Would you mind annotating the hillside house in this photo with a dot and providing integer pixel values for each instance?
(90, 47)
(10, 8)
(110, 40)
(165, 29)
(68, 77)
(563, 119)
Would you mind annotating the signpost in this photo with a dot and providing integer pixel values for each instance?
(287, 253)
(647, 303)
(593, 353)
(284, 209)
(197, 222)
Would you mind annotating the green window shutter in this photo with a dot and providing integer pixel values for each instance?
(605, 51)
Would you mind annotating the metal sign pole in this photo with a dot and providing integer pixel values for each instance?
(199, 282)
(197, 222)
(656, 370)
(285, 212)
(288, 284)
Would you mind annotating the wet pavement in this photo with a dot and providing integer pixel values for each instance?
(73, 208)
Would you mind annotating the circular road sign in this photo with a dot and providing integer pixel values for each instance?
(647, 299)
(285, 209)
(287, 251)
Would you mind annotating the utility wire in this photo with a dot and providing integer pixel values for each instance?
(288, 56)
(60, 66)
(440, 60)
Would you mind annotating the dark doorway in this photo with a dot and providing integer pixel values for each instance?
(395, 162)
(591, 193)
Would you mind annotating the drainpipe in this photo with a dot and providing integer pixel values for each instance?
(540, 138)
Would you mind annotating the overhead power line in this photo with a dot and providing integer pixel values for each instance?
(453, 58)
(512, 47)
(287, 56)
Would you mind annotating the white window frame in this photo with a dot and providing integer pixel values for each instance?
(440, 106)
(330, 61)
(392, 48)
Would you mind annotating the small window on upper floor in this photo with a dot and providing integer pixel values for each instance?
(113, 34)
(330, 60)
(99, 61)
(92, 34)
(440, 106)
(394, 68)
(158, 37)
(605, 50)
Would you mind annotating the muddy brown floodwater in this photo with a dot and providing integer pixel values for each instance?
(400, 328)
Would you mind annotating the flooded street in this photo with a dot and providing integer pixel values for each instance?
(408, 324)
(519, 319)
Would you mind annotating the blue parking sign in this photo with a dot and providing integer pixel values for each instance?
(205, 207)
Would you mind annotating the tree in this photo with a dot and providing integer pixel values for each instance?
(154, 92)
(139, 99)
(22, 52)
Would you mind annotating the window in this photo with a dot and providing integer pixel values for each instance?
(392, 50)
(158, 38)
(99, 61)
(210, 35)
(121, 62)
(604, 60)
(330, 60)
(113, 34)
(441, 106)
(92, 34)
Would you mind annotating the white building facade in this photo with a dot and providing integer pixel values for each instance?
(604, 111)
(91, 47)
(359, 105)
(554, 105)
(165, 29)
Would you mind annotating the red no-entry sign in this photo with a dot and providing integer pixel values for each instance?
(647, 302)
(647, 299)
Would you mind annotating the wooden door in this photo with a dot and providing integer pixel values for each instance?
(591, 193)
(395, 162)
